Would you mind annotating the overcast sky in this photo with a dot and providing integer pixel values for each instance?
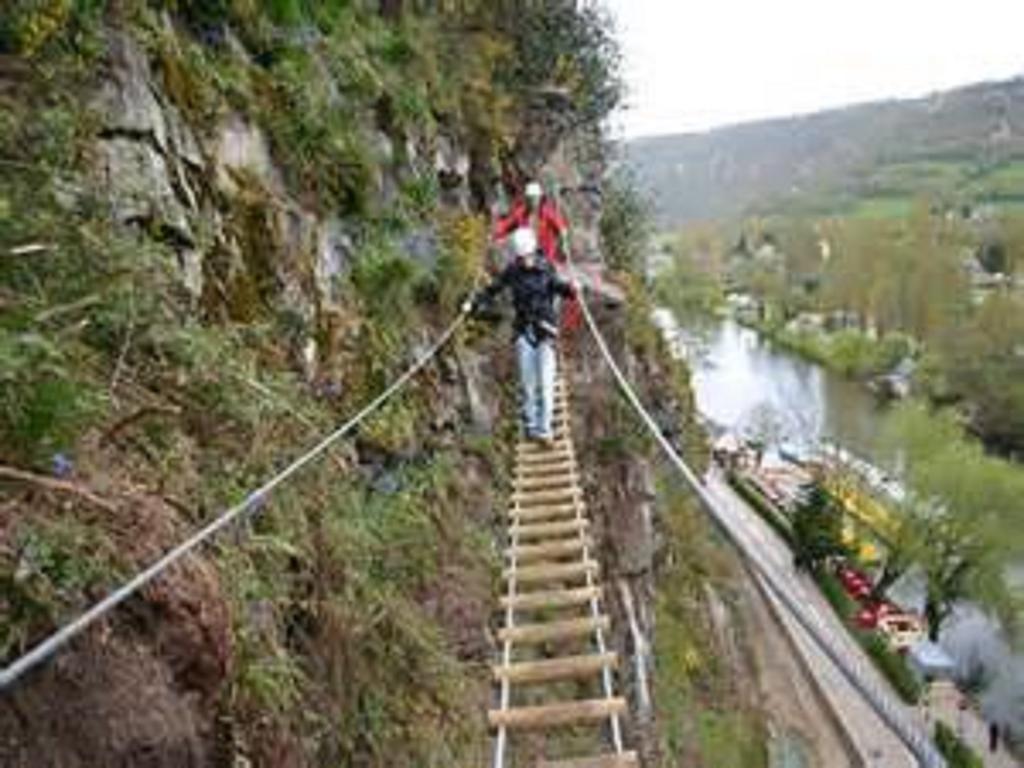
(695, 64)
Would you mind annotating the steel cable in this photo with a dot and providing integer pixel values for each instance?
(251, 504)
(918, 744)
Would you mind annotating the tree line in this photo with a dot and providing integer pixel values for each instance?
(945, 286)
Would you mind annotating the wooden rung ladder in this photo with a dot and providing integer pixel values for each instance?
(551, 575)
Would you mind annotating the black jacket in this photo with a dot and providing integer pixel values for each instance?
(533, 295)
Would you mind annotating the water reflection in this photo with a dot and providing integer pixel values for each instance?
(740, 380)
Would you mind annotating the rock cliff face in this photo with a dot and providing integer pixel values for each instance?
(216, 196)
(349, 622)
(244, 657)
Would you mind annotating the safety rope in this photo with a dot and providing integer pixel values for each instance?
(252, 503)
(918, 744)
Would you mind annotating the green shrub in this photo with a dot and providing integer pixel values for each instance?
(850, 352)
(43, 406)
(420, 195)
(57, 563)
(841, 602)
(957, 754)
(892, 664)
(762, 506)
(817, 524)
(464, 242)
(191, 77)
(626, 225)
(315, 134)
(733, 738)
(890, 351)
(385, 281)
(559, 44)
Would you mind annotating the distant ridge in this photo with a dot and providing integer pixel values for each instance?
(963, 144)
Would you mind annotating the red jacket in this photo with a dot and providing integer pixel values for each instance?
(550, 226)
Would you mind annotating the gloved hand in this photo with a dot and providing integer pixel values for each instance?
(470, 304)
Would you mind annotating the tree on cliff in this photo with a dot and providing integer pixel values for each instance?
(625, 225)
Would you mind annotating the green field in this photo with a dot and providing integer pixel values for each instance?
(890, 191)
(910, 178)
(887, 207)
(1003, 182)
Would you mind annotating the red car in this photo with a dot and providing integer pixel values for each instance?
(867, 617)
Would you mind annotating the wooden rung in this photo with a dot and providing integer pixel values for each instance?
(547, 530)
(566, 475)
(562, 668)
(543, 469)
(533, 574)
(558, 456)
(557, 714)
(543, 461)
(551, 598)
(545, 512)
(625, 760)
(535, 447)
(546, 497)
(548, 549)
(545, 482)
(541, 482)
(562, 629)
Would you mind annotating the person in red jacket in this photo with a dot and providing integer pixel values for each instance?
(540, 213)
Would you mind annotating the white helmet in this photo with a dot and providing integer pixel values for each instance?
(524, 242)
(534, 189)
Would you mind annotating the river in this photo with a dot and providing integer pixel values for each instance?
(744, 383)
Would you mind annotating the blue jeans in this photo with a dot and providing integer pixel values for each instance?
(537, 376)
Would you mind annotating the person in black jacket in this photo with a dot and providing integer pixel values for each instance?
(534, 286)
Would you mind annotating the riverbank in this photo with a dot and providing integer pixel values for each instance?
(741, 378)
(849, 352)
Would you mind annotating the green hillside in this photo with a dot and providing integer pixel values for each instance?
(961, 146)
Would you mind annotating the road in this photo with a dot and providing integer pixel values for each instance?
(876, 744)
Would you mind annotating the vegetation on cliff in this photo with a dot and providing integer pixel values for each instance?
(223, 225)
